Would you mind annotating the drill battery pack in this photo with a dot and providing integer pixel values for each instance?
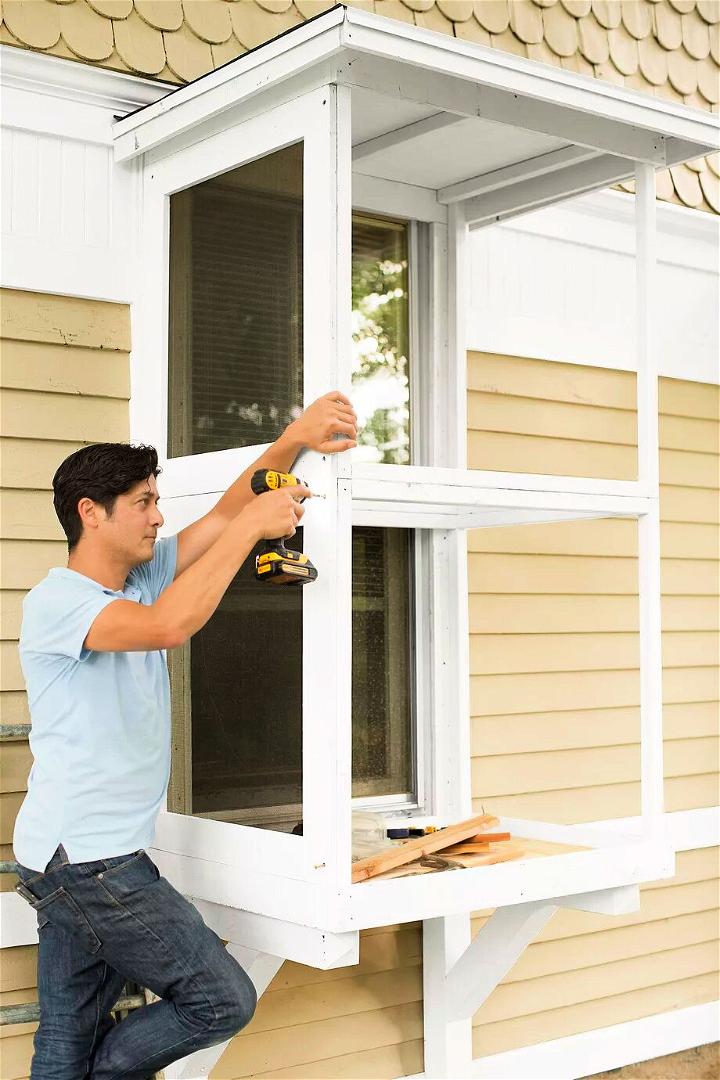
(286, 568)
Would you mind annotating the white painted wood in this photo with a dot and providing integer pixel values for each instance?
(327, 606)
(277, 937)
(537, 166)
(448, 1040)
(542, 285)
(404, 201)
(649, 585)
(513, 90)
(276, 895)
(451, 773)
(403, 135)
(530, 89)
(367, 473)
(620, 901)
(232, 845)
(646, 316)
(431, 516)
(55, 140)
(651, 699)
(513, 199)
(206, 98)
(605, 1048)
(494, 950)
(627, 862)
(687, 830)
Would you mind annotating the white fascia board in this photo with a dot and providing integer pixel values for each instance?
(530, 79)
(583, 109)
(22, 69)
(219, 90)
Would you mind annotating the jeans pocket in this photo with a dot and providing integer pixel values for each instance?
(62, 911)
(128, 876)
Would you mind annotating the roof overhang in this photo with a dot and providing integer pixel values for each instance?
(569, 133)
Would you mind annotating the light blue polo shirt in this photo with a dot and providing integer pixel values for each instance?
(100, 735)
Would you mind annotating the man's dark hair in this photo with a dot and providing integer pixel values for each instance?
(100, 472)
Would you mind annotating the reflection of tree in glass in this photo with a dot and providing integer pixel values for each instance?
(380, 379)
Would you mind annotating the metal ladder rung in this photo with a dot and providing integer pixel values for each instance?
(14, 731)
(29, 1013)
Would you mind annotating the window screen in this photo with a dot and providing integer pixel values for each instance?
(236, 306)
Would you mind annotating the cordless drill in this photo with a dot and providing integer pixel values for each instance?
(277, 564)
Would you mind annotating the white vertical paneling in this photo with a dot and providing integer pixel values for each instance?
(25, 184)
(61, 190)
(73, 181)
(50, 188)
(559, 284)
(6, 182)
(97, 182)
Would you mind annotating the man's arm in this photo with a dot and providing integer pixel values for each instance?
(187, 604)
(330, 415)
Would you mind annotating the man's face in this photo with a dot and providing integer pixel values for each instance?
(135, 522)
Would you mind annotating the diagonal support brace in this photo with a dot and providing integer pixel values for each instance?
(491, 954)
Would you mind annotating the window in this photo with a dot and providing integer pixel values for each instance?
(235, 380)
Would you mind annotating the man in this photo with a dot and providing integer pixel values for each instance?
(93, 652)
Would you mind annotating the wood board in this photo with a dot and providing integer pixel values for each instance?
(528, 849)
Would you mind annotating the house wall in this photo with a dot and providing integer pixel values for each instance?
(555, 737)
(538, 749)
(555, 687)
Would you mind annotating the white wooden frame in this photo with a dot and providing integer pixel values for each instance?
(327, 59)
(190, 483)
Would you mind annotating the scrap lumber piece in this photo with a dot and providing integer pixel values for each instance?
(503, 854)
(423, 845)
(475, 841)
(465, 849)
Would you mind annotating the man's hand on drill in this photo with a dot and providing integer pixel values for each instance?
(331, 415)
(276, 513)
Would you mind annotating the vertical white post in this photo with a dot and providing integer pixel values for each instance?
(451, 781)
(651, 736)
(448, 1041)
(327, 604)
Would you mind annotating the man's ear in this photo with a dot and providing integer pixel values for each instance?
(87, 510)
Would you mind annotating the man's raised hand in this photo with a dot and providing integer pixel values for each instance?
(328, 416)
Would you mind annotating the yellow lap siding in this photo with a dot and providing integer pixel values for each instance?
(65, 369)
(66, 382)
(572, 1019)
(29, 515)
(554, 649)
(31, 463)
(32, 415)
(63, 320)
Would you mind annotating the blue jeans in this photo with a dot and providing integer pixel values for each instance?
(105, 922)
